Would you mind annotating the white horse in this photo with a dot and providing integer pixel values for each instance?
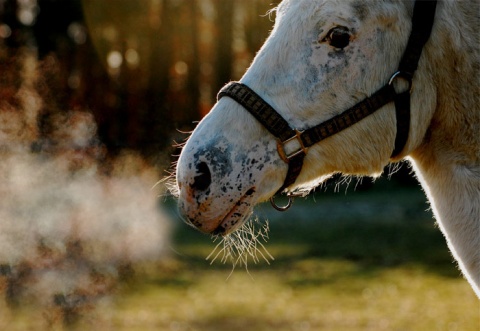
(321, 58)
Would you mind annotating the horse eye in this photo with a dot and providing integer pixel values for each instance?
(338, 37)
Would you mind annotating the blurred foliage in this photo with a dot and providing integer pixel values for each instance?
(144, 68)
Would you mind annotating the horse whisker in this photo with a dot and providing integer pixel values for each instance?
(242, 245)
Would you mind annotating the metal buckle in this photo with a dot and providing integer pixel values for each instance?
(286, 156)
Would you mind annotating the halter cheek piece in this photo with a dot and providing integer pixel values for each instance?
(293, 144)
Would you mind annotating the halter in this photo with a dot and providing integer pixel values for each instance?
(292, 144)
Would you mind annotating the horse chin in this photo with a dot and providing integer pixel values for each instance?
(237, 216)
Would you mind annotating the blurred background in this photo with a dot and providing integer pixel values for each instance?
(95, 96)
(144, 68)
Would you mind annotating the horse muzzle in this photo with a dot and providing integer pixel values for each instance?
(214, 207)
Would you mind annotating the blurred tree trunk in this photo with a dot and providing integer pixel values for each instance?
(193, 83)
(10, 8)
(223, 47)
(159, 113)
(185, 52)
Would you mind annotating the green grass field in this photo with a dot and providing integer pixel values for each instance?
(362, 261)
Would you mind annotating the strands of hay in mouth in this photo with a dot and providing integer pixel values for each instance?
(243, 245)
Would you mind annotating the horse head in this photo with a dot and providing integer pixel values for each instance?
(321, 58)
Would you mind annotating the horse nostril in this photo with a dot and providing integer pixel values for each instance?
(204, 178)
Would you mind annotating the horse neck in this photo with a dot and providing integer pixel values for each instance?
(454, 194)
(447, 160)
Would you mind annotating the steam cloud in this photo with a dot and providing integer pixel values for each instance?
(69, 224)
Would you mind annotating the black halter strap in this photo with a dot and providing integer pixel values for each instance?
(293, 144)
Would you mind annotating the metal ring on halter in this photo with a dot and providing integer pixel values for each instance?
(408, 77)
(282, 208)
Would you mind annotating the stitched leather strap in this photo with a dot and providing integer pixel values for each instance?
(260, 109)
(270, 119)
(279, 127)
(402, 115)
(422, 23)
(349, 117)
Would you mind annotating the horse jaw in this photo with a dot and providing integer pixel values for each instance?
(228, 165)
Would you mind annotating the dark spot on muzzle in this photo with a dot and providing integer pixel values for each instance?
(204, 178)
